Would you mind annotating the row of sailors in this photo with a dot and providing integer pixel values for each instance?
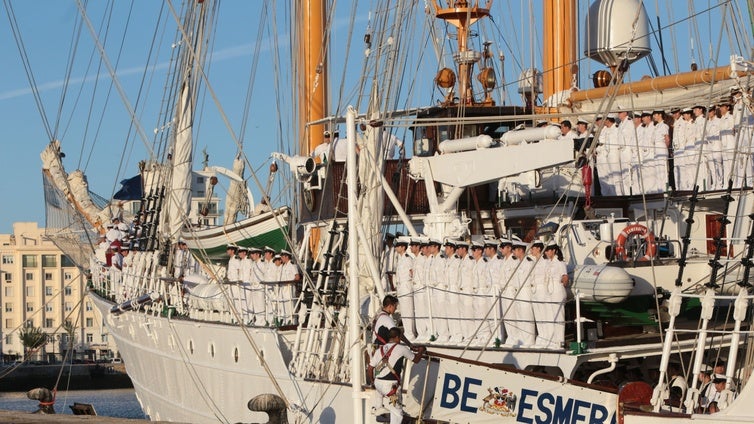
(633, 148)
(266, 284)
(497, 289)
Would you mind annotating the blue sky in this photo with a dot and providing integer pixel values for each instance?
(47, 28)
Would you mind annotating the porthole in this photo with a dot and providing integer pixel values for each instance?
(212, 350)
(235, 354)
(191, 347)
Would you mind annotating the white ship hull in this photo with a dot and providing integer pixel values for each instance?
(177, 377)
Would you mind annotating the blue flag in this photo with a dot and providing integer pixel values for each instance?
(131, 189)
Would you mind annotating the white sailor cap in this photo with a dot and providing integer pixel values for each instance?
(126, 248)
(698, 106)
(706, 369)
(646, 113)
(718, 378)
(268, 249)
(403, 240)
(476, 245)
(505, 242)
(435, 241)
(518, 243)
(277, 257)
(285, 252)
(491, 243)
(255, 250)
(612, 116)
(686, 110)
(538, 242)
(450, 242)
(582, 121)
(243, 249)
(326, 133)
(231, 246)
(462, 244)
(551, 245)
(416, 241)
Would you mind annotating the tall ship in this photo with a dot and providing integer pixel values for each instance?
(642, 183)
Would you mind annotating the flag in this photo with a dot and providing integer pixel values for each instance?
(130, 190)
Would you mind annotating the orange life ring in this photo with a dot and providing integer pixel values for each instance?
(641, 231)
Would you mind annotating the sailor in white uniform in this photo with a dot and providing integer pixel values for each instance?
(421, 297)
(323, 151)
(453, 278)
(233, 272)
(435, 282)
(553, 334)
(404, 287)
(727, 141)
(290, 276)
(519, 321)
(256, 276)
(385, 371)
(482, 284)
(466, 282)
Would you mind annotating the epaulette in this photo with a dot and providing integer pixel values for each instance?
(529, 259)
(407, 255)
(484, 259)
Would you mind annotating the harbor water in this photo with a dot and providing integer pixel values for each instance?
(120, 403)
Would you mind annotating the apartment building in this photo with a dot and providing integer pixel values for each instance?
(42, 287)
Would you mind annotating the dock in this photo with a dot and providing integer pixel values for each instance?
(22, 417)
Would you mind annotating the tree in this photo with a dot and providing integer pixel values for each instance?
(32, 338)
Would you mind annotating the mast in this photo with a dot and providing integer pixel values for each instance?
(560, 45)
(179, 199)
(462, 14)
(311, 64)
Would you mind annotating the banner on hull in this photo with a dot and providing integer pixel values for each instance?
(468, 393)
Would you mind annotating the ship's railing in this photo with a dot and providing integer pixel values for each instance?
(734, 341)
(261, 304)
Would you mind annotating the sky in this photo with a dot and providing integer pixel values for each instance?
(97, 135)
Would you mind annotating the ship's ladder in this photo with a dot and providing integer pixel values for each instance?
(318, 347)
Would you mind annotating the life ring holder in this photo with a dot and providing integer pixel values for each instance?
(643, 232)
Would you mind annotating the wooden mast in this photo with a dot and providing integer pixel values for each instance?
(311, 65)
(560, 45)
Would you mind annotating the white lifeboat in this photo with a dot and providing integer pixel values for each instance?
(602, 283)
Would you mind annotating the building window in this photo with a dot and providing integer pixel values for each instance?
(29, 323)
(29, 307)
(29, 261)
(49, 261)
(49, 323)
(89, 322)
(9, 291)
(89, 306)
(8, 277)
(29, 276)
(89, 337)
(30, 291)
(48, 276)
(68, 291)
(66, 262)
(211, 207)
(8, 339)
(104, 338)
(48, 290)
(8, 322)
(7, 259)
(68, 307)
(8, 307)
(48, 307)
(200, 180)
(67, 276)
